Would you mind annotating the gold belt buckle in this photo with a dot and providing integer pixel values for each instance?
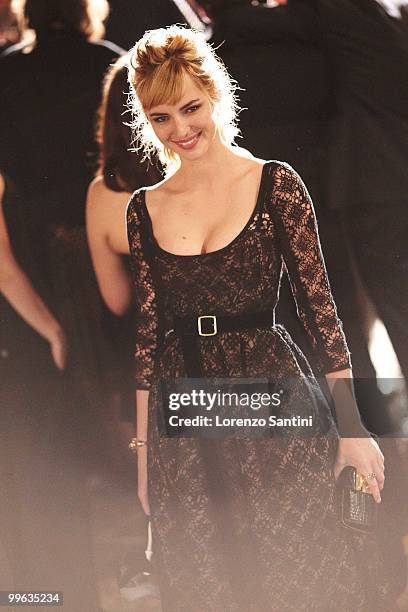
(214, 322)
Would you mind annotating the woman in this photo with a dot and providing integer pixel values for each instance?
(42, 520)
(120, 173)
(60, 75)
(237, 524)
(23, 314)
(19, 292)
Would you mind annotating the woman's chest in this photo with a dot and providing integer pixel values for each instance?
(204, 222)
(245, 272)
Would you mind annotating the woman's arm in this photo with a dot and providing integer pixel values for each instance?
(360, 451)
(294, 216)
(142, 400)
(147, 324)
(106, 229)
(19, 292)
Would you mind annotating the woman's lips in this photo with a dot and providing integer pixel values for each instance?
(188, 143)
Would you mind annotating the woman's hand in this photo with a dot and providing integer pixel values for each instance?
(59, 347)
(142, 479)
(365, 455)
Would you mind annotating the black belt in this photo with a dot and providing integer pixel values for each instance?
(190, 329)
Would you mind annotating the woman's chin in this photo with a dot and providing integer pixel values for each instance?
(194, 154)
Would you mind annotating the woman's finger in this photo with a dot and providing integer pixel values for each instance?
(372, 484)
(57, 357)
(379, 472)
(377, 447)
(59, 353)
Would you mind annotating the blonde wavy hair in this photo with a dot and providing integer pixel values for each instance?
(156, 68)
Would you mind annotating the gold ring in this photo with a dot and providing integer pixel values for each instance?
(370, 476)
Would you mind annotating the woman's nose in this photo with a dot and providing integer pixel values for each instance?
(181, 127)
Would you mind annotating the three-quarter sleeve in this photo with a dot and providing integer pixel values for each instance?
(302, 256)
(145, 298)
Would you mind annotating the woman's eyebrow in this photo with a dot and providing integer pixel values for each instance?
(182, 108)
(189, 104)
(157, 114)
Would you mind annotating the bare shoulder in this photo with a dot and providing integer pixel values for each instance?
(281, 168)
(254, 165)
(105, 207)
(164, 186)
(163, 191)
(97, 197)
(247, 158)
(96, 188)
(104, 200)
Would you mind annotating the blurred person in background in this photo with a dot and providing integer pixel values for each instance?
(20, 293)
(129, 19)
(49, 92)
(30, 420)
(327, 103)
(120, 172)
(369, 148)
(368, 44)
(331, 101)
(9, 29)
(290, 114)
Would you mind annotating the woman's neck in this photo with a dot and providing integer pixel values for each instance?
(213, 165)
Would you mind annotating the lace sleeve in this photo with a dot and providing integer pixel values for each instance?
(301, 253)
(145, 299)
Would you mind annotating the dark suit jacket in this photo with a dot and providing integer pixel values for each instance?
(129, 19)
(48, 101)
(370, 144)
(286, 85)
(368, 53)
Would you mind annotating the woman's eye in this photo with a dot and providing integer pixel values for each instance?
(192, 109)
(160, 119)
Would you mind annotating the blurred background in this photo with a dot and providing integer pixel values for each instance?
(324, 86)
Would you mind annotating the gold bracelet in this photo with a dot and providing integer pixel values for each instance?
(135, 444)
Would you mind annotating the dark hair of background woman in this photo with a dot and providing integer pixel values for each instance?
(121, 169)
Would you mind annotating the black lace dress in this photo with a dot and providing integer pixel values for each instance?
(246, 525)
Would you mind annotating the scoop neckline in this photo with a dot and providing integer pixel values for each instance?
(216, 251)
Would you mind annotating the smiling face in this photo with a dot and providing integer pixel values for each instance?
(188, 127)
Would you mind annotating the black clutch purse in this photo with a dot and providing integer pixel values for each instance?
(357, 508)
